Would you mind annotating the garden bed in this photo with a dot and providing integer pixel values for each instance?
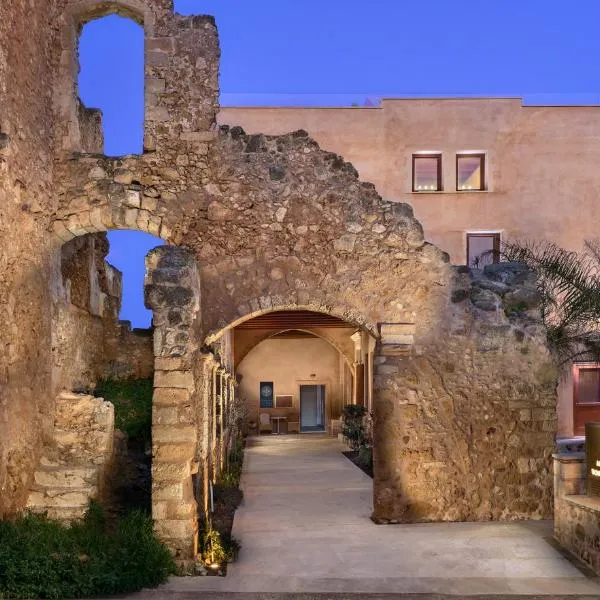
(359, 460)
(218, 545)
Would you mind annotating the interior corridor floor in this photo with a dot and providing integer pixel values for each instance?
(304, 526)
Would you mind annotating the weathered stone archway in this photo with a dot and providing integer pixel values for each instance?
(464, 389)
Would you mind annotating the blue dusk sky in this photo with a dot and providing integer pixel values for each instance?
(339, 52)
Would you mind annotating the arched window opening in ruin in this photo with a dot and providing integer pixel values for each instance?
(111, 80)
(101, 328)
(103, 376)
(127, 253)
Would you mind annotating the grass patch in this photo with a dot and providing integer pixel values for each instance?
(45, 559)
(132, 400)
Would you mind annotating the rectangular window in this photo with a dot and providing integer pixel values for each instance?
(427, 172)
(482, 249)
(587, 384)
(470, 172)
(266, 394)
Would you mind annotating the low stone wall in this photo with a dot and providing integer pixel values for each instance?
(129, 353)
(76, 459)
(576, 516)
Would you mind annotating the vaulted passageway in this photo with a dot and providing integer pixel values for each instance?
(298, 369)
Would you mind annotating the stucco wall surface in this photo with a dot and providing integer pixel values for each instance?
(541, 174)
(289, 363)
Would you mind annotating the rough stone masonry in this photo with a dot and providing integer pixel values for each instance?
(464, 385)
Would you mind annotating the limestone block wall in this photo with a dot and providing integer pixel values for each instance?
(27, 201)
(464, 423)
(128, 353)
(87, 299)
(576, 516)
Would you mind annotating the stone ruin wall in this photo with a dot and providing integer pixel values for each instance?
(465, 424)
(128, 353)
(86, 304)
(28, 59)
(464, 397)
(194, 395)
(89, 341)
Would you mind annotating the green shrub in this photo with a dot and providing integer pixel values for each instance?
(132, 400)
(219, 549)
(40, 558)
(354, 427)
(365, 457)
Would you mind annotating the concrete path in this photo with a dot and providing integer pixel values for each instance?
(304, 527)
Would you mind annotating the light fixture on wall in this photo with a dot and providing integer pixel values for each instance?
(313, 374)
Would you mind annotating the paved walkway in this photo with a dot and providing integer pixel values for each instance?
(304, 527)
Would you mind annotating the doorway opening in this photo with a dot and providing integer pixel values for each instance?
(312, 408)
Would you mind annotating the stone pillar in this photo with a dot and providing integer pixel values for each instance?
(214, 423)
(221, 412)
(205, 366)
(182, 84)
(172, 291)
(359, 384)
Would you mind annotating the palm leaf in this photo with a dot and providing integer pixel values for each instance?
(569, 286)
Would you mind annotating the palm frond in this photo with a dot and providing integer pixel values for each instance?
(569, 286)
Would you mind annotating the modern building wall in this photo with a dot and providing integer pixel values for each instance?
(541, 170)
(289, 363)
(541, 162)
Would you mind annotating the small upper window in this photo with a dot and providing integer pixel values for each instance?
(482, 249)
(427, 172)
(470, 172)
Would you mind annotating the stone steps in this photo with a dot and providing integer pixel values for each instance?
(71, 468)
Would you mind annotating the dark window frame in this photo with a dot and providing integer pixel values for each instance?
(481, 156)
(438, 157)
(497, 235)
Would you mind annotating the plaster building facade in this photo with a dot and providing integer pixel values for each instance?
(477, 172)
(461, 384)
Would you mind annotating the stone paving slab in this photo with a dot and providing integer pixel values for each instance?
(162, 595)
(306, 533)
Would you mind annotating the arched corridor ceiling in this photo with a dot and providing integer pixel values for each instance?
(293, 319)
